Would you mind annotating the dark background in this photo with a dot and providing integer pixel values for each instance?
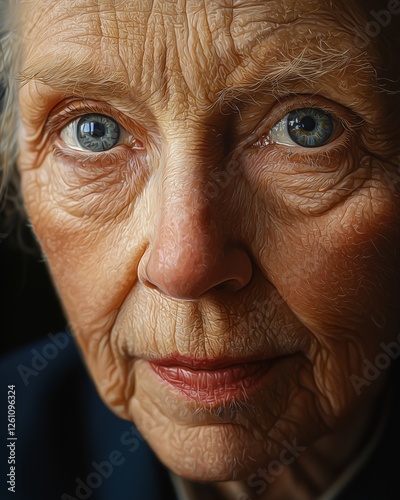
(29, 306)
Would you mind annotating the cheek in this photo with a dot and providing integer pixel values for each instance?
(340, 274)
(93, 262)
(349, 269)
(86, 230)
(93, 251)
(343, 255)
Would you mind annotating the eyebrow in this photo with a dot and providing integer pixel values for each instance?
(73, 77)
(313, 66)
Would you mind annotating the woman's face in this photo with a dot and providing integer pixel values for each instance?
(216, 191)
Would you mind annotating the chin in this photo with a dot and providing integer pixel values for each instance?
(212, 459)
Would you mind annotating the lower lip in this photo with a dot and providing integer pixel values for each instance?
(214, 386)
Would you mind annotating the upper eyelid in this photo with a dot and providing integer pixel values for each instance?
(72, 109)
(69, 111)
(123, 138)
(348, 119)
(65, 113)
(337, 111)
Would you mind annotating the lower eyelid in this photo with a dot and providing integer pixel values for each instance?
(84, 159)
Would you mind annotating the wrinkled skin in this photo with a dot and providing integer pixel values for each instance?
(196, 237)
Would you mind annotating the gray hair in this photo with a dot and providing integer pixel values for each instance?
(10, 198)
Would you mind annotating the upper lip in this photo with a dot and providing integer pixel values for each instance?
(206, 363)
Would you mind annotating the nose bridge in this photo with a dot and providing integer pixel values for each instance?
(186, 173)
(191, 251)
(188, 219)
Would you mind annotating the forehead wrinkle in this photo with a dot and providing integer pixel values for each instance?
(154, 81)
(259, 21)
(78, 76)
(77, 28)
(47, 26)
(170, 61)
(110, 35)
(186, 51)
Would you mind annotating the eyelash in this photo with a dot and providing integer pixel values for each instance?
(65, 114)
(341, 116)
(74, 110)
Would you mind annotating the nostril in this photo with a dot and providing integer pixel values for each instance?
(229, 286)
(148, 283)
(142, 275)
(187, 272)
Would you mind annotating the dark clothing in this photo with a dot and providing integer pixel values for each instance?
(70, 446)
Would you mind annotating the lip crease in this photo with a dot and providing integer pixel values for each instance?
(211, 381)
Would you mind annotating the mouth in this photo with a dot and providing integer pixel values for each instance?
(217, 381)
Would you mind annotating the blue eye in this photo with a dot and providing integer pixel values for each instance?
(305, 127)
(309, 127)
(97, 132)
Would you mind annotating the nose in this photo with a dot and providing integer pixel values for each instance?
(192, 253)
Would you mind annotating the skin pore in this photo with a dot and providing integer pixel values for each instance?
(200, 234)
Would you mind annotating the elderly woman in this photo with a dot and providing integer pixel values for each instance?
(215, 188)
